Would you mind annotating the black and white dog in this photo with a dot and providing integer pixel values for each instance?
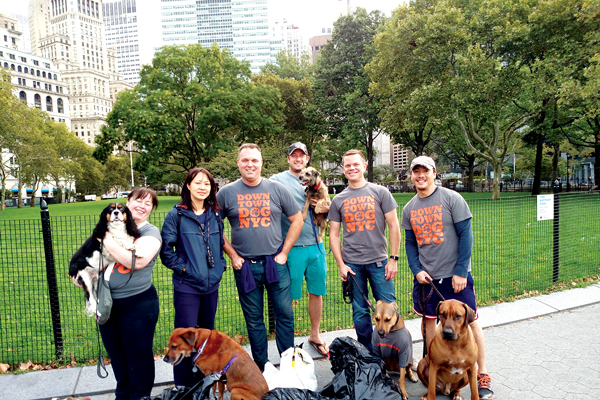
(115, 218)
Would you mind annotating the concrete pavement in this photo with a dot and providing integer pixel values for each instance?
(543, 347)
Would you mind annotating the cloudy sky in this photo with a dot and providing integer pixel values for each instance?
(309, 14)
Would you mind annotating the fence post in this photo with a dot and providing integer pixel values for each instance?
(556, 257)
(51, 277)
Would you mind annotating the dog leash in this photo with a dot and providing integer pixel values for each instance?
(348, 292)
(312, 222)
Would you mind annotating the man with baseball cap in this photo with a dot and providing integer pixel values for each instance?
(439, 243)
(307, 259)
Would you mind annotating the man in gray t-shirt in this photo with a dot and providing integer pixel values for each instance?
(439, 242)
(363, 210)
(258, 252)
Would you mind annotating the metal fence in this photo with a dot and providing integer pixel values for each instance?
(41, 311)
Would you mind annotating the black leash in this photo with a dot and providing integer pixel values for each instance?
(347, 292)
(423, 299)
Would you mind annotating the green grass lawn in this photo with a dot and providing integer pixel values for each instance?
(512, 257)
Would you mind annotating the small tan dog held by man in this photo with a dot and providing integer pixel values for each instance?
(392, 343)
(439, 243)
(317, 198)
(214, 351)
(450, 362)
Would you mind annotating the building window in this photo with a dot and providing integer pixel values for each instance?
(59, 106)
(19, 68)
(49, 103)
(23, 96)
(26, 70)
(12, 66)
(37, 100)
(37, 72)
(43, 74)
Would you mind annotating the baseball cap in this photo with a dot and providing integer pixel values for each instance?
(424, 161)
(297, 145)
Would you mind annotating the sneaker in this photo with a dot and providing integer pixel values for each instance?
(483, 386)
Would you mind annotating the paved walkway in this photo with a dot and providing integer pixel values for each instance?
(545, 347)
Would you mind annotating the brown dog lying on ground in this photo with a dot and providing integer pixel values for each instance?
(217, 350)
(315, 189)
(392, 342)
(450, 362)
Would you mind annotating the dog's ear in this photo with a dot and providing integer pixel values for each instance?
(395, 305)
(378, 302)
(469, 315)
(190, 336)
(437, 312)
(102, 225)
(130, 226)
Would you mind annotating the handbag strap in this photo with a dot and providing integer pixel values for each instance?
(101, 367)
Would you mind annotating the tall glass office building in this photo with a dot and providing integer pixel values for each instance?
(239, 25)
(121, 34)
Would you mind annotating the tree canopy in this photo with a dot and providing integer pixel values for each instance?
(190, 103)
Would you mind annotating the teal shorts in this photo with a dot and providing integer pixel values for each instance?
(308, 262)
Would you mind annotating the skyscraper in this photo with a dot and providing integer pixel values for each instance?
(71, 34)
(241, 26)
(121, 34)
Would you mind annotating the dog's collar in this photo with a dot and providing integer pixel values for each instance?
(224, 370)
(198, 354)
(316, 187)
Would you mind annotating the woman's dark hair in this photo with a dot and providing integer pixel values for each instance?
(186, 196)
(142, 193)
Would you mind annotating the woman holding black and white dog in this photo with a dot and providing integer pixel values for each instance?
(129, 332)
(193, 243)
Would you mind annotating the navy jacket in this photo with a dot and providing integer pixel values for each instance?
(185, 247)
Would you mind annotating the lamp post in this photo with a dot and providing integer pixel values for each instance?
(568, 177)
(131, 163)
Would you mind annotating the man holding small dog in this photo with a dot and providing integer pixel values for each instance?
(258, 250)
(307, 258)
(364, 209)
(439, 241)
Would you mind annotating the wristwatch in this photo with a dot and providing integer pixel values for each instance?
(394, 258)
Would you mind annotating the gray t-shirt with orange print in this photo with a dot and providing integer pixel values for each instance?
(255, 213)
(362, 215)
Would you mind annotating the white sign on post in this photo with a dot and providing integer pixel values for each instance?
(545, 207)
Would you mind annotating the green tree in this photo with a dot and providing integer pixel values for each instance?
(190, 103)
(450, 63)
(345, 109)
(289, 66)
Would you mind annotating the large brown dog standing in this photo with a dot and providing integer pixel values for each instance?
(244, 379)
(450, 362)
(390, 326)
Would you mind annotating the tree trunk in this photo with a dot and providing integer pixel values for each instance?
(537, 174)
(497, 166)
(471, 160)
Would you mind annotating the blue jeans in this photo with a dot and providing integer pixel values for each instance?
(253, 308)
(382, 289)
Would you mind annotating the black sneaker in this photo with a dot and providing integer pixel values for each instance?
(483, 386)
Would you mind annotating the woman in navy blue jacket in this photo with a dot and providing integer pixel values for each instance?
(192, 247)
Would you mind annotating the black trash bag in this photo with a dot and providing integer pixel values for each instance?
(292, 394)
(200, 391)
(359, 375)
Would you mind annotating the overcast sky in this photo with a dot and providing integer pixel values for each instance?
(309, 14)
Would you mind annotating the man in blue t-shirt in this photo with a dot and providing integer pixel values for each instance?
(307, 259)
(259, 251)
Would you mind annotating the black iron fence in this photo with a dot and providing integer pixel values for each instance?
(515, 254)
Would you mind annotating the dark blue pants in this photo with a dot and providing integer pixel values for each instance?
(127, 337)
(192, 310)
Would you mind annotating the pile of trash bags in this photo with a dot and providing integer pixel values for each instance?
(359, 375)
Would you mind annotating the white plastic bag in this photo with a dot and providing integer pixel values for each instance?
(297, 370)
